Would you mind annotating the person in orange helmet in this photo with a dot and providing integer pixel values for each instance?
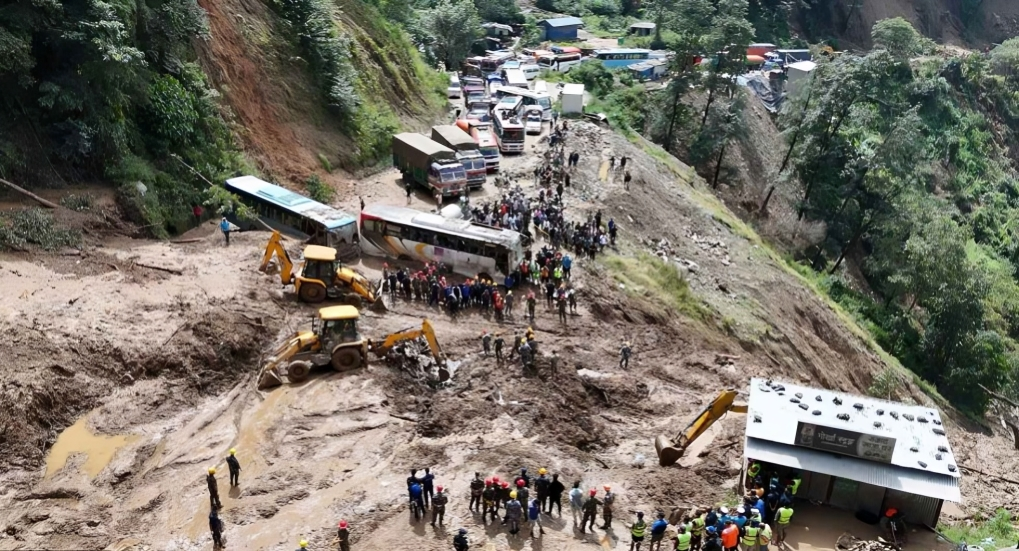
(343, 535)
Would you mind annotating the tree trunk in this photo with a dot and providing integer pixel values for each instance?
(764, 206)
(672, 121)
(30, 195)
(845, 249)
(718, 167)
(796, 135)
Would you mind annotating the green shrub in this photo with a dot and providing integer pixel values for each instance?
(375, 126)
(79, 203)
(319, 190)
(25, 228)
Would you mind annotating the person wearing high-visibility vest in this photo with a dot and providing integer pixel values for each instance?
(683, 539)
(764, 538)
(637, 530)
(795, 485)
(750, 536)
(697, 525)
(782, 518)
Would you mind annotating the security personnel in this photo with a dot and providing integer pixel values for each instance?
(637, 530)
(477, 487)
(439, 502)
(750, 536)
(782, 518)
(684, 539)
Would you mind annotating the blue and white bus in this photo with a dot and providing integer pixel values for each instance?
(295, 214)
(621, 57)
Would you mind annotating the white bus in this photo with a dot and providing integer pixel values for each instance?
(467, 248)
(509, 132)
(514, 105)
(559, 62)
(529, 98)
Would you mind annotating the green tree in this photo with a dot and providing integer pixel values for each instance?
(899, 37)
(455, 25)
(499, 11)
(1005, 59)
(730, 35)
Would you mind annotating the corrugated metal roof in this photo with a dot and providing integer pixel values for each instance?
(887, 476)
(643, 25)
(564, 22)
(777, 410)
(573, 89)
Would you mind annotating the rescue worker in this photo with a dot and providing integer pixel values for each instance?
(750, 536)
(541, 487)
(490, 504)
(624, 355)
(571, 298)
(797, 479)
(224, 227)
(234, 466)
(555, 495)
(576, 501)
(711, 540)
(534, 514)
(509, 303)
(417, 502)
(525, 353)
(683, 539)
(486, 343)
(764, 538)
(513, 513)
(607, 501)
(782, 518)
(426, 486)
(658, 528)
(523, 470)
(439, 502)
(531, 303)
(697, 525)
(523, 494)
(343, 535)
(303, 544)
(477, 487)
(499, 343)
(561, 305)
(637, 530)
(730, 536)
(210, 479)
(216, 525)
(590, 510)
(460, 542)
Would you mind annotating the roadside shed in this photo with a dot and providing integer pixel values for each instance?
(642, 28)
(797, 75)
(651, 69)
(855, 453)
(497, 30)
(560, 28)
(572, 98)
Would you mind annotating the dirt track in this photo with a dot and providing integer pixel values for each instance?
(170, 358)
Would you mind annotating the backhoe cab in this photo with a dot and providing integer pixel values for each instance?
(334, 340)
(320, 276)
(669, 451)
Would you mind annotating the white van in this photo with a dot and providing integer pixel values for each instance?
(560, 63)
(454, 90)
(531, 70)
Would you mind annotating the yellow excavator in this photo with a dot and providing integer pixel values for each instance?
(334, 340)
(669, 451)
(320, 276)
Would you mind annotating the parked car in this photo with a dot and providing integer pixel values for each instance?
(454, 90)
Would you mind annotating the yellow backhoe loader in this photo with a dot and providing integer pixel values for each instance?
(669, 451)
(334, 340)
(320, 276)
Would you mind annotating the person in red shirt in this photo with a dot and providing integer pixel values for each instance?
(730, 536)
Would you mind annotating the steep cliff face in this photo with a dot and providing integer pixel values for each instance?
(964, 22)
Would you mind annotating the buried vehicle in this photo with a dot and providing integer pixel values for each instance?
(335, 340)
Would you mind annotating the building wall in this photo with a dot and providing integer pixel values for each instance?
(561, 33)
(918, 509)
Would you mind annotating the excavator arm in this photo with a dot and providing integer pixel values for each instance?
(358, 284)
(670, 451)
(426, 331)
(275, 248)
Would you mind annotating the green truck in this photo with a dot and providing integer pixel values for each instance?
(427, 163)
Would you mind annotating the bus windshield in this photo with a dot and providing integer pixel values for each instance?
(545, 102)
(490, 151)
(546, 61)
(513, 134)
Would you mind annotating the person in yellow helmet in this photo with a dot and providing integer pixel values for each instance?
(513, 513)
(235, 467)
(541, 487)
(302, 545)
(210, 479)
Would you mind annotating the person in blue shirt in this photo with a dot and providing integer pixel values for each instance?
(711, 518)
(224, 227)
(567, 264)
(658, 531)
(426, 486)
(534, 513)
(417, 502)
(740, 519)
(759, 505)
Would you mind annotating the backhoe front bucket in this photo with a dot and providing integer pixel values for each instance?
(668, 454)
(379, 305)
(269, 379)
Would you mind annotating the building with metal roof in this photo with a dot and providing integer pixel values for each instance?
(854, 452)
(560, 28)
(642, 28)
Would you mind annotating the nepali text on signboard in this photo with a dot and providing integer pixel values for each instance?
(846, 442)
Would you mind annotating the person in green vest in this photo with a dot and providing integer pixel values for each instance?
(764, 538)
(683, 539)
(637, 530)
(696, 530)
(795, 485)
(750, 536)
(782, 518)
(753, 472)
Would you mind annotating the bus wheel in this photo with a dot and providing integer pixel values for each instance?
(297, 372)
(312, 292)
(345, 359)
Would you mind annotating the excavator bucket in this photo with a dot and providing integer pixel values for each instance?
(668, 454)
(269, 378)
(379, 306)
